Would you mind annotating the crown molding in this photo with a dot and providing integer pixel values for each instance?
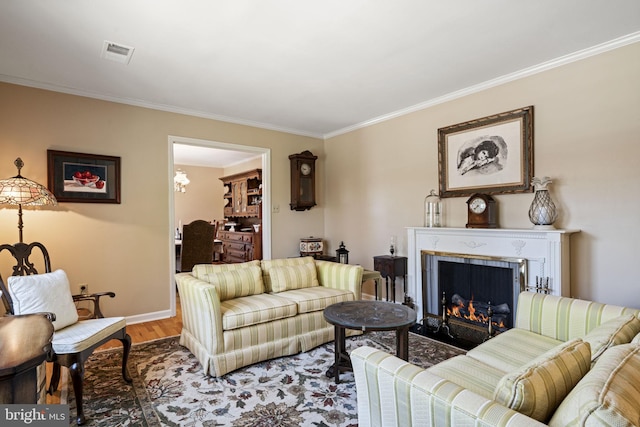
(545, 66)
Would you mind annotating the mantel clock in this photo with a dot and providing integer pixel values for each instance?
(481, 211)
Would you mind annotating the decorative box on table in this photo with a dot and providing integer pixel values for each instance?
(311, 246)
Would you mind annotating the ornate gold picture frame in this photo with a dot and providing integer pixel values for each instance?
(491, 155)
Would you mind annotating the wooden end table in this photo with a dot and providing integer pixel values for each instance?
(367, 316)
(390, 267)
(25, 342)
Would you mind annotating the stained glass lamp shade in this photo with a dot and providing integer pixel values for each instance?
(22, 191)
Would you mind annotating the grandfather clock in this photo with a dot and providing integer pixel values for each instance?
(303, 181)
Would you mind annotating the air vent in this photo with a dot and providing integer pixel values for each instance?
(117, 52)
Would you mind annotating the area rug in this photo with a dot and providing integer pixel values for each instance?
(169, 388)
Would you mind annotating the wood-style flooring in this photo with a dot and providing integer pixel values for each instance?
(140, 332)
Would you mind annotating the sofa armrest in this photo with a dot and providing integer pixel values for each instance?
(394, 392)
(201, 312)
(340, 276)
(563, 318)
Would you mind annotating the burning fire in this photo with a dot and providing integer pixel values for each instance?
(480, 317)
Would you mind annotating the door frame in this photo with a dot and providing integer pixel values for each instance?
(266, 198)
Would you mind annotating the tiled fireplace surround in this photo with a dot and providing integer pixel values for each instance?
(545, 253)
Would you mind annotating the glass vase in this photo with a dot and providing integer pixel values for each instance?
(542, 212)
(432, 210)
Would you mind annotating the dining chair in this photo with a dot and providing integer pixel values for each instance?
(197, 244)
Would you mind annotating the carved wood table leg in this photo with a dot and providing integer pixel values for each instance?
(402, 343)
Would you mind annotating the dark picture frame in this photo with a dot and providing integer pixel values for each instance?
(83, 178)
(491, 155)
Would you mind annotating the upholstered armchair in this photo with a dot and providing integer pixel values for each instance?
(74, 341)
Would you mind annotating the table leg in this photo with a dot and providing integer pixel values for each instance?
(393, 288)
(402, 343)
(342, 362)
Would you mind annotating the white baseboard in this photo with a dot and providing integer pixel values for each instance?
(148, 317)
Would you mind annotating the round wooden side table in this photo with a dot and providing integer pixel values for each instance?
(368, 316)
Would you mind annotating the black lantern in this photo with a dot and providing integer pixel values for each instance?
(342, 254)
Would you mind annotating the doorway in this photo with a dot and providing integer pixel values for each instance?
(237, 151)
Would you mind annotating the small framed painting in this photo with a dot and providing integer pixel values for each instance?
(83, 178)
(491, 155)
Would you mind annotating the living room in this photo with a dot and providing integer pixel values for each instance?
(585, 112)
(372, 176)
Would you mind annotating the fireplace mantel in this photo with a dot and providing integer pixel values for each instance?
(547, 252)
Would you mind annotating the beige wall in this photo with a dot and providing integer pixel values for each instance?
(587, 138)
(203, 198)
(127, 247)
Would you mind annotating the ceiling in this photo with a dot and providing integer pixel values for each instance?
(194, 155)
(310, 68)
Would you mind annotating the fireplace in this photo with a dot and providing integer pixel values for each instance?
(465, 286)
(534, 256)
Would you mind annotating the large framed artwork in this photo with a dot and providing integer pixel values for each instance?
(491, 155)
(83, 178)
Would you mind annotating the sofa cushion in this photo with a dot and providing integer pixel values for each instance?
(636, 340)
(44, 293)
(268, 264)
(316, 298)
(288, 277)
(619, 330)
(254, 309)
(469, 373)
(512, 349)
(537, 388)
(609, 395)
(237, 283)
(200, 271)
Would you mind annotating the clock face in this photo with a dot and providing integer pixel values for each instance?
(305, 169)
(477, 205)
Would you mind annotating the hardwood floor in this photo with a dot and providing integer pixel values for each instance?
(140, 332)
(148, 331)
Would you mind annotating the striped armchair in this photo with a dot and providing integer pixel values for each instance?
(566, 362)
(235, 315)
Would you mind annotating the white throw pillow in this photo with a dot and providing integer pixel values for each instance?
(44, 293)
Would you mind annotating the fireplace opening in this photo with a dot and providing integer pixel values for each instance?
(471, 287)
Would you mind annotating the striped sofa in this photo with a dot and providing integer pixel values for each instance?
(567, 362)
(234, 315)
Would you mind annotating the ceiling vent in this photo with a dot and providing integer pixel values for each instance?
(117, 52)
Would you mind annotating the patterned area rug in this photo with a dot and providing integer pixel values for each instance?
(169, 388)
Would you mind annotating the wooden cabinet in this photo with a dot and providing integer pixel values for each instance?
(243, 207)
(241, 246)
(243, 194)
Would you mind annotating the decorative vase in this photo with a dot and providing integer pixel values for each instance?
(542, 212)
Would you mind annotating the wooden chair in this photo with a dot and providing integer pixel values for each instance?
(197, 244)
(73, 341)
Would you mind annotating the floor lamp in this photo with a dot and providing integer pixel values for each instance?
(22, 191)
